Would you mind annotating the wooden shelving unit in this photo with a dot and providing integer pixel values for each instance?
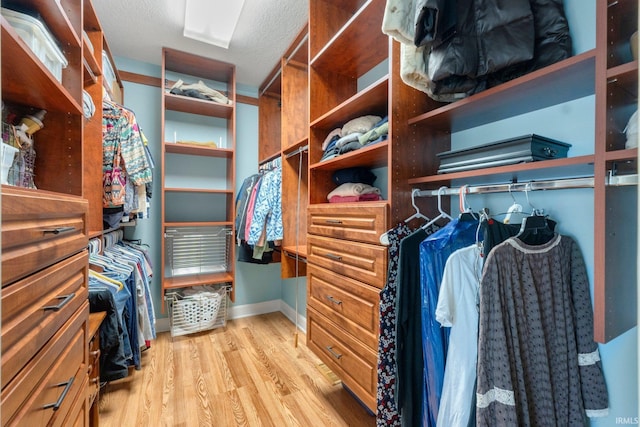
(198, 182)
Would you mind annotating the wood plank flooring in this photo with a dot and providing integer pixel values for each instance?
(247, 374)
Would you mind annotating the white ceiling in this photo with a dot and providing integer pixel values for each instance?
(139, 29)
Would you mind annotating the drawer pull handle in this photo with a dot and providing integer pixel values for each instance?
(65, 300)
(333, 257)
(67, 387)
(333, 353)
(333, 221)
(333, 300)
(94, 354)
(59, 230)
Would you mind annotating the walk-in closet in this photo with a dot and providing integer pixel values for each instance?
(319, 213)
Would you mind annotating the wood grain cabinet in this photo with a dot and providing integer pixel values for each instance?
(45, 307)
(45, 231)
(354, 70)
(344, 278)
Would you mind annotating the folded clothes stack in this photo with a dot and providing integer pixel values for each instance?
(355, 134)
(354, 192)
(198, 90)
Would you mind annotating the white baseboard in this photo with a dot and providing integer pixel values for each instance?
(247, 310)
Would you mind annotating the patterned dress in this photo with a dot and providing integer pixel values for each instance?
(537, 362)
(387, 414)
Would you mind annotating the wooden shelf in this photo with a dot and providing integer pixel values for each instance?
(197, 224)
(301, 251)
(628, 154)
(196, 280)
(197, 150)
(625, 76)
(371, 100)
(355, 49)
(572, 166)
(34, 86)
(201, 107)
(561, 82)
(374, 155)
(199, 66)
(196, 190)
(90, 59)
(57, 19)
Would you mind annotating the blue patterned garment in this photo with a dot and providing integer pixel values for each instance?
(267, 211)
(387, 414)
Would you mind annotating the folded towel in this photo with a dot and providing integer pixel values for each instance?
(361, 198)
(353, 189)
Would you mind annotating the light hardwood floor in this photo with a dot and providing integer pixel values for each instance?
(247, 374)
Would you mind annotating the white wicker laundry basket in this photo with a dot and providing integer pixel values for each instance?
(197, 309)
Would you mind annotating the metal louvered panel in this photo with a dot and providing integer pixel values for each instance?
(197, 250)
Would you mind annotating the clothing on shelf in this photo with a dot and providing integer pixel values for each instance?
(451, 50)
(353, 189)
(355, 134)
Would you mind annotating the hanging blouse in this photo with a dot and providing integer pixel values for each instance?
(119, 127)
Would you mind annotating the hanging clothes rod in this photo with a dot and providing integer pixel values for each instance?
(294, 51)
(275, 76)
(556, 184)
(300, 150)
(287, 59)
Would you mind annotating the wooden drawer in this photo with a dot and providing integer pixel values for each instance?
(355, 364)
(79, 414)
(361, 261)
(38, 230)
(35, 308)
(350, 304)
(55, 375)
(363, 222)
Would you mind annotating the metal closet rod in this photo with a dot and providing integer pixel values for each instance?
(300, 150)
(287, 59)
(555, 184)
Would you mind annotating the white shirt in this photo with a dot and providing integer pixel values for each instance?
(458, 308)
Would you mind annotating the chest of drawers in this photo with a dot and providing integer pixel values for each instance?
(44, 308)
(346, 269)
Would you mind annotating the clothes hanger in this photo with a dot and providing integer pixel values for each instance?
(442, 214)
(384, 237)
(417, 214)
(535, 229)
(515, 208)
(466, 213)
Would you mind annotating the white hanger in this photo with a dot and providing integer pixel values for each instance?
(443, 214)
(515, 208)
(384, 237)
